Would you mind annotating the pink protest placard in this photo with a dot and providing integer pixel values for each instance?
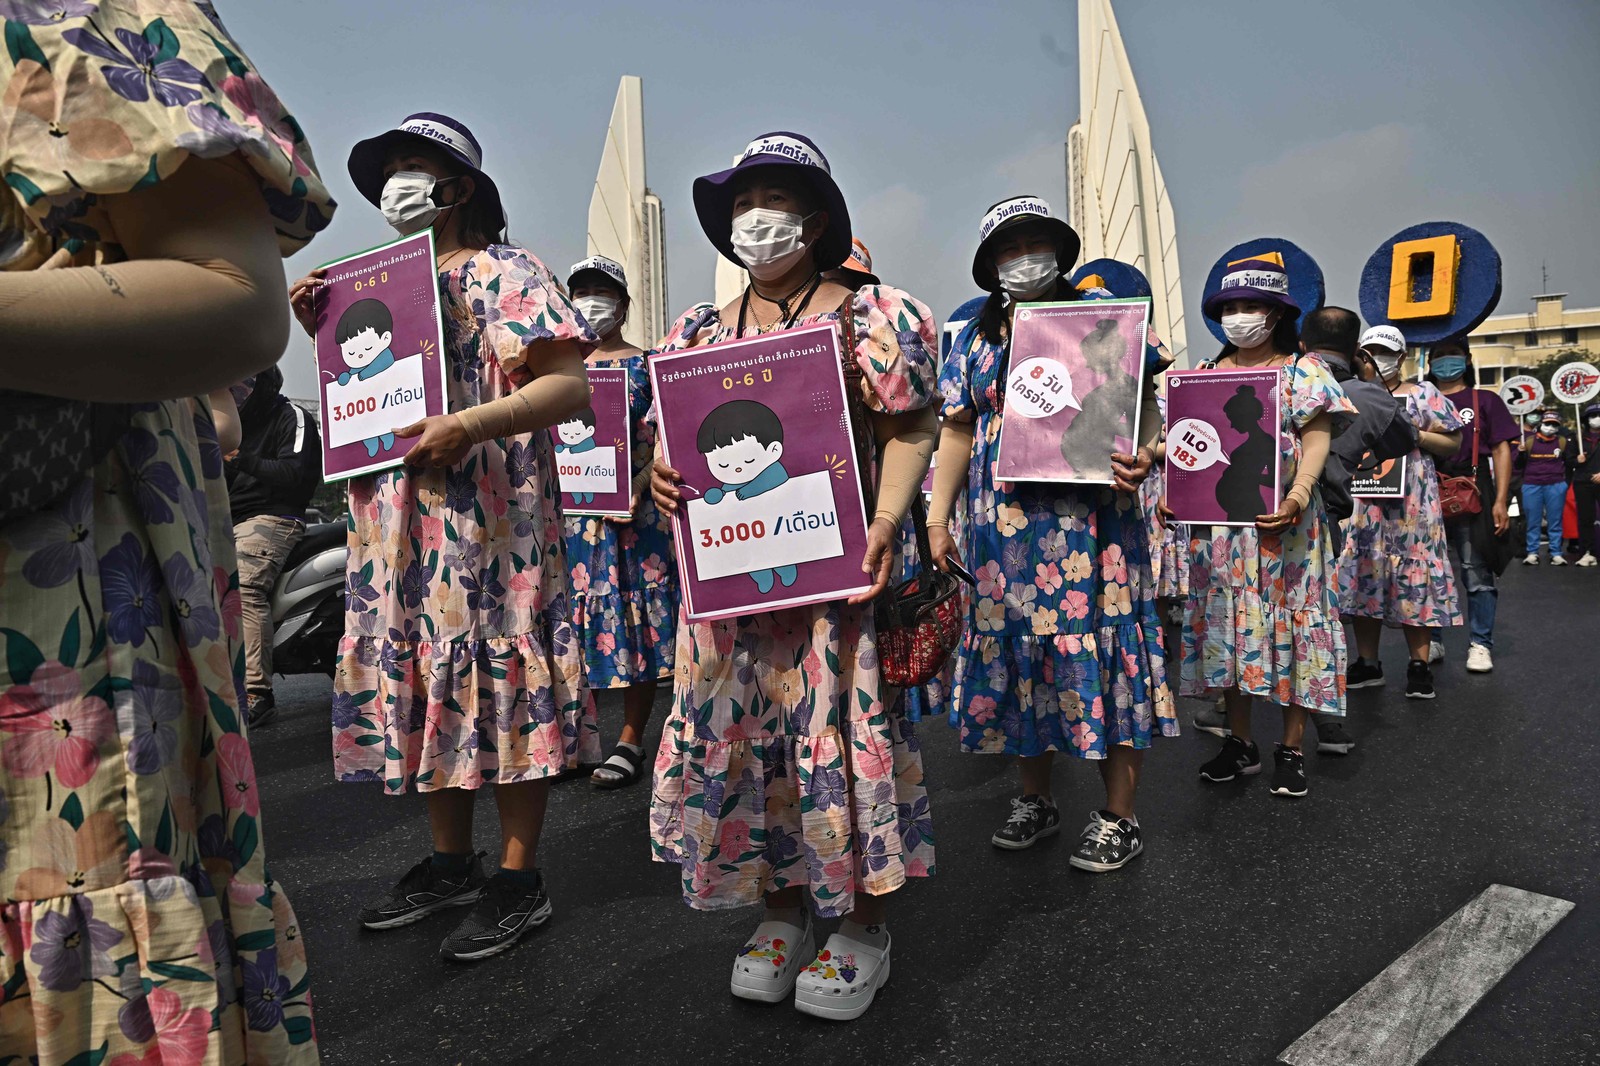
(1223, 464)
(594, 450)
(379, 348)
(1072, 390)
(773, 514)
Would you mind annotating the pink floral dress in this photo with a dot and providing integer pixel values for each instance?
(786, 761)
(1394, 565)
(1262, 611)
(459, 665)
(139, 923)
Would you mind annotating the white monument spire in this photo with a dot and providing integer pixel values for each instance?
(625, 221)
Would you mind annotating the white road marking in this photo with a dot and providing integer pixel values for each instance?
(1397, 1017)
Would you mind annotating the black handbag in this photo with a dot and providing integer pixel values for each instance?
(48, 445)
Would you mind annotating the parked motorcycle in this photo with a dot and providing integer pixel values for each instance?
(308, 602)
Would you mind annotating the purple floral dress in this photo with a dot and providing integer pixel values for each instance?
(459, 665)
(1169, 541)
(1394, 566)
(1062, 650)
(625, 576)
(786, 761)
(139, 923)
(1262, 612)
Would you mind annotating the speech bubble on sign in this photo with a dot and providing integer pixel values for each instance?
(1038, 388)
(1193, 444)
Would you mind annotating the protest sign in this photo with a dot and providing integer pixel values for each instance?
(594, 450)
(1223, 465)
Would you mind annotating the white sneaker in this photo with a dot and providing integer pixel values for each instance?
(1436, 651)
(843, 979)
(1532, 559)
(1479, 660)
(1558, 560)
(1587, 560)
(766, 967)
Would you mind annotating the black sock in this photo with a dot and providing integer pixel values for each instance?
(451, 864)
(526, 880)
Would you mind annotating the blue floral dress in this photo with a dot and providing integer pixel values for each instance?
(625, 576)
(1063, 648)
(1262, 611)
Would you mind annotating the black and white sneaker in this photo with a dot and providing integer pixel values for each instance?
(503, 913)
(261, 710)
(1364, 674)
(1289, 772)
(1236, 759)
(422, 891)
(1419, 681)
(1032, 817)
(1331, 737)
(1108, 843)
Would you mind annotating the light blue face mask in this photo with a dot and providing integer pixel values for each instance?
(1449, 367)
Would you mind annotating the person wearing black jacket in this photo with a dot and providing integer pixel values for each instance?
(1583, 462)
(270, 481)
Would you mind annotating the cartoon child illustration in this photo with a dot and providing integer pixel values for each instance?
(575, 436)
(742, 441)
(364, 334)
(1250, 464)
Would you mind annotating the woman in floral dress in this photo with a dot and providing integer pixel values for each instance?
(1262, 617)
(1394, 569)
(139, 922)
(459, 667)
(624, 571)
(1063, 648)
(786, 767)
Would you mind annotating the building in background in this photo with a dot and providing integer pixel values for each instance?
(1117, 197)
(625, 219)
(1509, 344)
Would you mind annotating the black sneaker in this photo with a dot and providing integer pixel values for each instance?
(503, 913)
(1331, 737)
(421, 892)
(1108, 843)
(1364, 674)
(261, 710)
(1288, 773)
(1419, 681)
(1031, 818)
(1236, 759)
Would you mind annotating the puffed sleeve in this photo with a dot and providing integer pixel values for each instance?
(1439, 415)
(687, 327)
(639, 394)
(955, 378)
(1313, 391)
(517, 303)
(897, 348)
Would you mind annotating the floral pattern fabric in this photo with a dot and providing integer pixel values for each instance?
(1169, 541)
(1262, 611)
(786, 761)
(459, 665)
(1063, 648)
(625, 576)
(139, 922)
(1394, 565)
(111, 97)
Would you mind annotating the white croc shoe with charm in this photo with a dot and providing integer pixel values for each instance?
(843, 979)
(766, 967)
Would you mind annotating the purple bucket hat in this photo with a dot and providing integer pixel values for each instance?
(803, 160)
(1252, 279)
(444, 134)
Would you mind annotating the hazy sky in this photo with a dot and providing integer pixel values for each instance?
(1332, 124)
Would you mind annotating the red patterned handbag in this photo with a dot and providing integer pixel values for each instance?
(919, 621)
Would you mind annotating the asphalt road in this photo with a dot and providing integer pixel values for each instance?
(1246, 921)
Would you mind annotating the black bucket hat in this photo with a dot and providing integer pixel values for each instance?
(442, 133)
(1017, 211)
(801, 159)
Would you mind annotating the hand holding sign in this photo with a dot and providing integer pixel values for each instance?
(1194, 445)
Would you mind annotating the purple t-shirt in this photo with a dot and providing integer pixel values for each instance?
(1545, 466)
(1496, 424)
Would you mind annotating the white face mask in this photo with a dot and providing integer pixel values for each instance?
(1594, 421)
(1388, 363)
(407, 201)
(1028, 275)
(1550, 429)
(1246, 331)
(600, 312)
(768, 242)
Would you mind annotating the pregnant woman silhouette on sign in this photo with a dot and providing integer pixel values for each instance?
(1250, 464)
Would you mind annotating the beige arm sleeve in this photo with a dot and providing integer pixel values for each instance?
(199, 304)
(950, 476)
(560, 388)
(1315, 439)
(907, 443)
